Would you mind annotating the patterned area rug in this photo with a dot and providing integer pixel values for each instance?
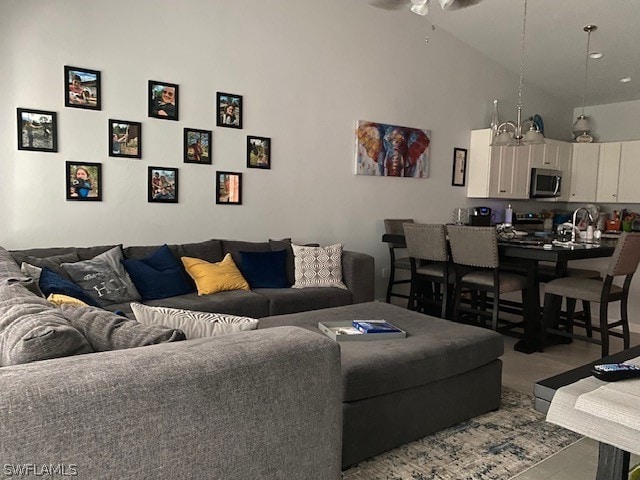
(494, 446)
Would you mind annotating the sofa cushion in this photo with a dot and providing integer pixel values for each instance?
(159, 275)
(32, 329)
(285, 244)
(50, 282)
(59, 299)
(104, 278)
(234, 247)
(108, 331)
(318, 266)
(142, 251)
(215, 277)
(53, 263)
(10, 273)
(209, 250)
(292, 300)
(194, 324)
(264, 269)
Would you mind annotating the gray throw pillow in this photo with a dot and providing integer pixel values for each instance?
(104, 278)
(108, 331)
(193, 324)
(53, 262)
(32, 329)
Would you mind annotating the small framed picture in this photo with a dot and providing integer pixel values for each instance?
(37, 130)
(163, 185)
(125, 139)
(84, 181)
(82, 88)
(229, 110)
(258, 152)
(459, 167)
(229, 188)
(197, 146)
(163, 100)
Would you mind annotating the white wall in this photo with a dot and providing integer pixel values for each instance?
(308, 71)
(614, 122)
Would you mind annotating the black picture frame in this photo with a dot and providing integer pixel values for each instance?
(197, 146)
(84, 181)
(459, 172)
(225, 117)
(82, 88)
(228, 188)
(162, 185)
(37, 130)
(125, 138)
(163, 100)
(258, 152)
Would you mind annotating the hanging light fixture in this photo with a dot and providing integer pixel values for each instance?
(421, 7)
(582, 127)
(533, 134)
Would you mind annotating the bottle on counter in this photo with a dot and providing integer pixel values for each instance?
(508, 213)
(590, 233)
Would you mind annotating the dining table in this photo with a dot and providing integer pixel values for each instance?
(528, 252)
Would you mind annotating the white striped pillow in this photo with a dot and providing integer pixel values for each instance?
(194, 324)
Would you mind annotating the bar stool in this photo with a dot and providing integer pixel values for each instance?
(394, 226)
(428, 243)
(624, 262)
(475, 256)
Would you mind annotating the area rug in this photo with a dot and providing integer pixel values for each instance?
(494, 446)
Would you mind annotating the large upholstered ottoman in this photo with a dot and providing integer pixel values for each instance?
(396, 391)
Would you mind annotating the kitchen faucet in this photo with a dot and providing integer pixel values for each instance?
(573, 230)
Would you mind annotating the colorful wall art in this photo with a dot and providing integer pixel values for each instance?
(391, 151)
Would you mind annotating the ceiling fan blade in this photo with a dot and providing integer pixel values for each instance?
(389, 4)
(459, 4)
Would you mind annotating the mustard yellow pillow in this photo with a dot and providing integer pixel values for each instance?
(59, 299)
(215, 277)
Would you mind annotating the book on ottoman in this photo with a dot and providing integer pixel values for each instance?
(345, 331)
(375, 326)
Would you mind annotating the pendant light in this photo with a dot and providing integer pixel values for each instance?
(533, 135)
(582, 127)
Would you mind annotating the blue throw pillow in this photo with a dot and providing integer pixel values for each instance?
(265, 269)
(50, 282)
(158, 275)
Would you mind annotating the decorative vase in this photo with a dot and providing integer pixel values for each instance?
(494, 117)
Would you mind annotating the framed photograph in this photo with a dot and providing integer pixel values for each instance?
(258, 152)
(197, 146)
(163, 185)
(229, 110)
(163, 100)
(82, 88)
(229, 188)
(125, 139)
(459, 167)
(37, 130)
(84, 181)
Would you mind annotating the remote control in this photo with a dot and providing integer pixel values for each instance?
(612, 372)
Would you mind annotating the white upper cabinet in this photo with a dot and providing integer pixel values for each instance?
(479, 163)
(608, 172)
(629, 182)
(584, 172)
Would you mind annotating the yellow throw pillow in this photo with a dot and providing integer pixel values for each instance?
(215, 277)
(59, 299)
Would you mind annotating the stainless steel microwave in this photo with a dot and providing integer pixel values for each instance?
(545, 183)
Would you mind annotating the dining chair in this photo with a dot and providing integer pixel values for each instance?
(475, 256)
(394, 226)
(431, 270)
(623, 263)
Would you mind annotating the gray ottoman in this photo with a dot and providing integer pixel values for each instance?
(396, 391)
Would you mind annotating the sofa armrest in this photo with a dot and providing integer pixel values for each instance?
(260, 404)
(358, 274)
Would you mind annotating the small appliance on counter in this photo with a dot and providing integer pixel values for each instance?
(480, 216)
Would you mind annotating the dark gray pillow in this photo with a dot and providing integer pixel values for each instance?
(32, 329)
(53, 262)
(104, 278)
(108, 331)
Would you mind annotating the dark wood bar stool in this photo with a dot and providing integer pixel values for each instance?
(395, 226)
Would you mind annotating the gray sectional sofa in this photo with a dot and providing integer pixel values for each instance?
(357, 272)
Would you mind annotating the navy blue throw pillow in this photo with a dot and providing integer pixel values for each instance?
(158, 275)
(50, 282)
(265, 269)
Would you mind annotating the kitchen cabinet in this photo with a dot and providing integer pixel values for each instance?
(508, 173)
(584, 172)
(608, 172)
(629, 180)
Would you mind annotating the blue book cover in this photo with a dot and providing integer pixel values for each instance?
(375, 326)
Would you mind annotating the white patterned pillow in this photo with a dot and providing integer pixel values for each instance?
(318, 266)
(193, 324)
